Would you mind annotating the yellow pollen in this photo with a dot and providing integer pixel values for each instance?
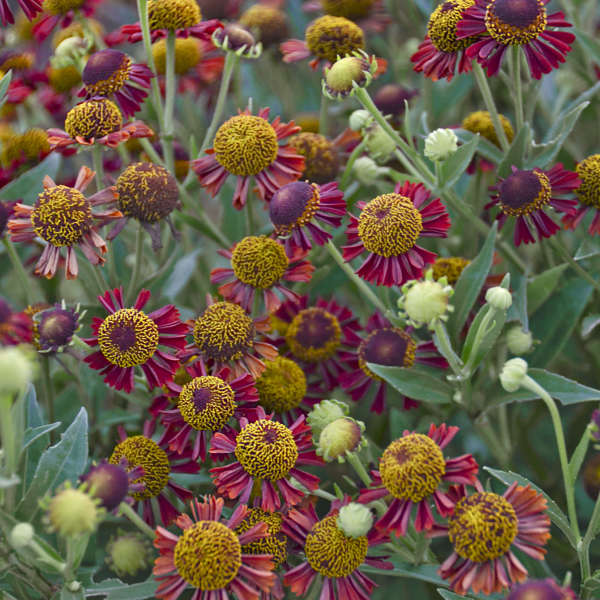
(389, 225)
(187, 55)
(62, 216)
(62, 7)
(442, 26)
(173, 14)
(314, 335)
(390, 346)
(329, 37)
(275, 542)
(515, 22)
(93, 119)
(332, 553)
(321, 163)
(207, 403)
(141, 451)
(224, 332)
(245, 145)
(259, 261)
(266, 449)
(208, 555)
(480, 122)
(589, 172)
(351, 9)
(128, 338)
(281, 386)
(482, 527)
(412, 467)
(450, 267)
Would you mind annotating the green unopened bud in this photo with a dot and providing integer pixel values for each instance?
(347, 74)
(21, 535)
(426, 302)
(367, 171)
(360, 119)
(339, 438)
(440, 144)
(513, 373)
(73, 512)
(379, 144)
(324, 413)
(70, 52)
(355, 520)
(498, 297)
(16, 369)
(128, 554)
(519, 341)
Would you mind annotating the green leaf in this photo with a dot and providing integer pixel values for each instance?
(469, 284)
(65, 460)
(578, 455)
(426, 573)
(589, 323)
(4, 83)
(540, 287)
(181, 274)
(32, 454)
(114, 589)
(485, 147)
(589, 44)
(454, 166)
(27, 186)
(589, 247)
(556, 515)
(448, 595)
(414, 382)
(516, 153)
(35, 433)
(518, 309)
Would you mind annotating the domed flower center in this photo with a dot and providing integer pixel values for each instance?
(147, 192)
(141, 451)
(93, 118)
(274, 543)
(62, 7)
(480, 122)
(105, 72)
(224, 332)
(109, 483)
(351, 9)
(245, 145)
(389, 225)
(482, 526)
(392, 347)
(515, 22)
(259, 261)
(293, 205)
(442, 25)
(524, 192)
(208, 555)
(173, 14)
(61, 215)
(314, 335)
(589, 172)
(321, 163)
(329, 37)
(332, 553)
(56, 328)
(187, 55)
(281, 386)
(412, 467)
(451, 268)
(266, 449)
(206, 403)
(128, 338)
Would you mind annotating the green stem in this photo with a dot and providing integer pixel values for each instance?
(584, 551)
(151, 152)
(18, 267)
(323, 494)
(488, 100)
(355, 462)
(574, 264)
(480, 335)
(137, 269)
(347, 174)
(212, 230)
(445, 345)
(49, 393)
(128, 512)
(518, 88)
(533, 386)
(98, 166)
(170, 93)
(324, 115)
(9, 446)
(492, 441)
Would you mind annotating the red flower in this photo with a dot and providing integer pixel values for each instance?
(61, 13)
(15, 327)
(588, 194)
(30, 7)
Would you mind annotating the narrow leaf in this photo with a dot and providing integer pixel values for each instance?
(485, 147)
(454, 166)
(516, 153)
(35, 433)
(579, 455)
(114, 589)
(27, 186)
(540, 287)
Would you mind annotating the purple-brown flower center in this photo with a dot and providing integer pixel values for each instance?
(314, 335)
(206, 403)
(391, 346)
(293, 205)
(515, 22)
(105, 72)
(524, 192)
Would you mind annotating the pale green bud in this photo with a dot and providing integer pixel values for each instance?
(21, 535)
(440, 144)
(324, 413)
(513, 373)
(128, 554)
(367, 171)
(519, 341)
(355, 520)
(498, 297)
(379, 144)
(424, 302)
(340, 437)
(16, 369)
(360, 119)
(73, 512)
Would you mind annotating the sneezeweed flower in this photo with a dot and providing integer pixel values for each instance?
(128, 338)
(331, 554)
(389, 346)
(64, 218)
(207, 404)
(450, 267)
(187, 55)
(15, 327)
(526, 194)
(30, 9)
(96, 121)
(369, 14)
(540, 589)
(483, 529)
(267, 454)
(326, 39)
(237, 39)
(498, 24)
(348, 74)
(111, 72)
(61, 13)
(247, 146)
(56, 326)
(321, 162)
(28, 147)
(588, 194)
(412, 469)
(268, 24)
(297, 209)
(72, 512)
(480, 122)
(224, 335)
(259, 265)
(388, 229)
(209, 556)
(438, 55)
(128, 553)
(157, 463)
(147, 193)
(324, 413)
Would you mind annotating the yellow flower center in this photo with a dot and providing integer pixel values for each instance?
(412, 467)
(389, 225)
(442, 25)
(351, 9)
(524, 192)
(391, 346)
(173, 14)
(274, 543)
(259, 261)
(128, 338)
(281, 386)
(29, 146)
(224, 332)
(329, 37)
(480, 122)
(141, 451)
(589, 172)
(61, 215)
(314, 335)
(482, 526)
(268, 23)
(64, 79)
(266, 449)
(515, 22)
(208, 555)
(187, 55)
(321, 163)
(332, 553)
(293, 205)
(451, 268)
(62, 7)
(105, 72)
(206, 403)
(93, 118)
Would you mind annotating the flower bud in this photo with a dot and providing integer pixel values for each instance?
(379, 144)
(424, 302)
(591, 476)
(360, 119)
(499, 298)
(107, 482)
(340, 437)
(513, 373)
(325, 412)
(16, 369)
(235, 38)
(519, 341)
(21, 535)
(440, 144)
(355, 520)
(128, 554)
(540, 589)
(56, 327)
(72, 512)
(70, 52)
(367, 171)
(348, 73)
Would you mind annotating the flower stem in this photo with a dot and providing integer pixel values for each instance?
(98, 166)
(355, 462)
(170, 93)
(518, 88)
(128, 512)
(324, 115)
(488, 100)
(574, 264)
(18, 267)
(584, 553)
(139, 252)
(345, 179)
(442, 341)
(49, 393)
